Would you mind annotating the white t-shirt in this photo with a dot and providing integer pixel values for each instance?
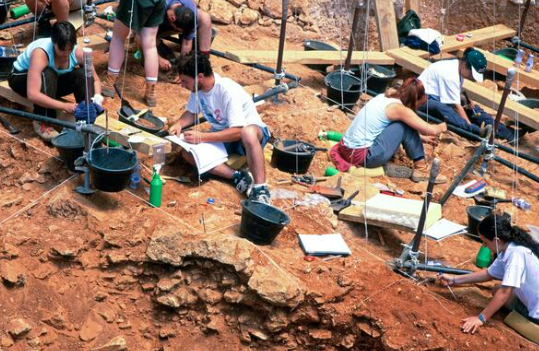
(226, 105)
(518, 267)
(369, 123)
(442, 79)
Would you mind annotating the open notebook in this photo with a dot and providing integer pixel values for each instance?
(206, 155)
(326, 244)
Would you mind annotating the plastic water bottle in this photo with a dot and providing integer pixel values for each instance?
(521, 203)
(156, 189)
(529, 63)
(330, 135)
(520, 56)
(135, 177)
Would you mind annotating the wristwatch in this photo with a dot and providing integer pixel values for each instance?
(482, 318)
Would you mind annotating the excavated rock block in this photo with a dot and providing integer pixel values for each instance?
(222, 12)
(255, 4)
(116, 344)
(18, 327)
(12, 274)
(248, 17)
(271, 282)
(237, 3)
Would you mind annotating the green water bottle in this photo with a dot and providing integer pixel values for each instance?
(483, 257)
(330, 135)
(330, 171)
(156, 189)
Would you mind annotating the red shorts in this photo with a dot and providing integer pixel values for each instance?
(344, 157)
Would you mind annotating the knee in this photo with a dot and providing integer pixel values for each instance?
(249, 135)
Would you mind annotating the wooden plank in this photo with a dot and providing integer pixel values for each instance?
(478, 93)
(387, 24)
(412, 5)
(355, 214)
(309, 57)
(478, 37)
(501, 65)
(8, 94)
(96, 42)
(146, 147)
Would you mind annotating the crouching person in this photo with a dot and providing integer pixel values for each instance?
(51, 68)
(234, 122)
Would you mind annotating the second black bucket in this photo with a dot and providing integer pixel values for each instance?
(260, 222)
(70, 145)
(313, 45)
(378, 77)
(475, 216)
(291, 161)
(343, 88)
(111, 169)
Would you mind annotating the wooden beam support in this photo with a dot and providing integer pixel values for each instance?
(96, 43)
(478, 37)
(309, 57)
(478, 93)
(501, 65)
(387, 24)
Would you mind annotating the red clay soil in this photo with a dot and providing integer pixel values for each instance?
(74, 268)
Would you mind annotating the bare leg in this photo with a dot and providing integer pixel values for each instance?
(222, 170)
(116, 52)
(148, 38)
(250, 137)
(204, 31)
(60, 8)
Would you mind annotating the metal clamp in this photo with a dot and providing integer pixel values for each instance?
(280, 75)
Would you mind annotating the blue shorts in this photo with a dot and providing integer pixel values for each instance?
(236, 147)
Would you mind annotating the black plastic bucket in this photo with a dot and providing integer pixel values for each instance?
(475, 216)
(378, 77)
(291, 161)
(507, 53)
(342, 88)
(313, 45)
(111, 170)
(70, 145)
(260, 222)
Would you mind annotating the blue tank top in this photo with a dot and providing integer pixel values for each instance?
(22, 64)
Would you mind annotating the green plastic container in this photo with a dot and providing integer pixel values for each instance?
(330, 171)
(19, 11)
(483, 257)
(330, 135)
(156, 189)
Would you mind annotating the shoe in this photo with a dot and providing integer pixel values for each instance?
(243, 180)
(107, 85)
(260, 194)
(396, 171)
(45, 131)
(421, 173)
(149, 95)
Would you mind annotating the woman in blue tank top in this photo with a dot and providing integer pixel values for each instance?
(51, 68)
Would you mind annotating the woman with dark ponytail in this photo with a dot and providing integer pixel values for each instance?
(517, 266)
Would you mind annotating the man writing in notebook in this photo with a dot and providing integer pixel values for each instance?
(234, 122)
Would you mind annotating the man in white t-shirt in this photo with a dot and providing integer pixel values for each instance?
(234, 122)
(443, 82)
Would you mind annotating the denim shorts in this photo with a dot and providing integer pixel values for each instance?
(236, 147)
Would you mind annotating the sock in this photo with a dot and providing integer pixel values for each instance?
(152, 80)
(114, 72)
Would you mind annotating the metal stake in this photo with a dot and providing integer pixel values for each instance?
(279, 73)
(351, 45)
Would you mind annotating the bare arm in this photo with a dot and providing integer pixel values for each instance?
(187, 45)
(475, 277)
(223, 136)
(398, 112)
(80, 59)
(502, 296)
(38, 62)
(186, 119)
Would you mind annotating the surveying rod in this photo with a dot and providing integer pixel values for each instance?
(279, 74)
(89, 81)
(352, 41)
(523, 18)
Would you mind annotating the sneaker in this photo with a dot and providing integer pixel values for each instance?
(396, 171)
(243, 180)
(421, 173)
(149, 96)
(260, 194)
(45, 131)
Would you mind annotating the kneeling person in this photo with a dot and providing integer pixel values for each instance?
(234, 122)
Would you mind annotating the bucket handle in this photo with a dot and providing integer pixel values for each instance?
(99, 137)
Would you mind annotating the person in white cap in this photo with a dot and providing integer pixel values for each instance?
(443, 82)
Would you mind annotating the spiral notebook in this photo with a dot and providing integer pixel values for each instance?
(206, 155)
(325, 244)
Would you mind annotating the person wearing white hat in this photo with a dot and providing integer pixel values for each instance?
(443, 82)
